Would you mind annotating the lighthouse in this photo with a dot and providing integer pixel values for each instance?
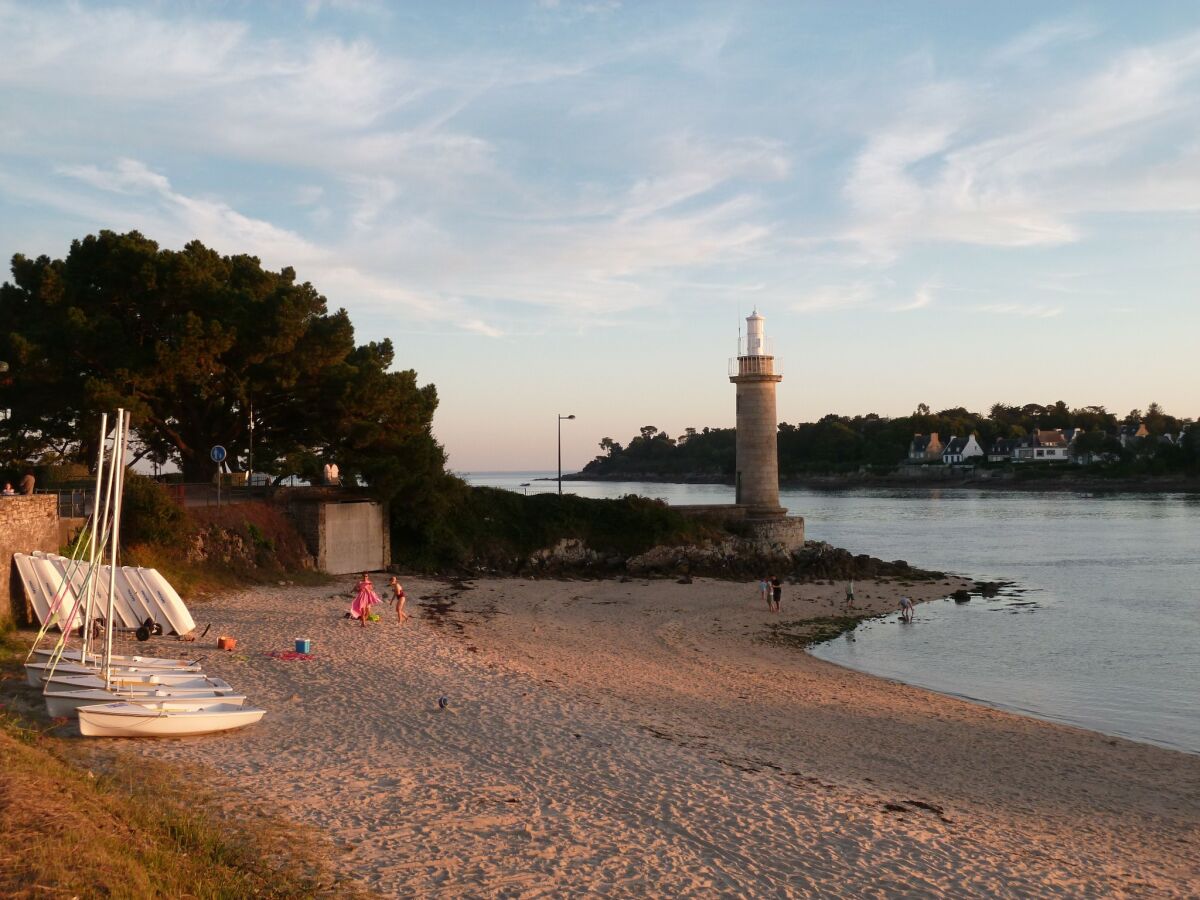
(757, 462)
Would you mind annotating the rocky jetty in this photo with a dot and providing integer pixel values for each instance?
(732, 557)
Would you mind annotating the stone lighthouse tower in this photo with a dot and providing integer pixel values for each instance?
(757, 426)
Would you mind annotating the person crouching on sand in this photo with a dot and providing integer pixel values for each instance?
(364, 598)
(401, 598)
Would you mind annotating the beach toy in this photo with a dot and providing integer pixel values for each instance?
(443, 702)
(303, 645)
(226, 643)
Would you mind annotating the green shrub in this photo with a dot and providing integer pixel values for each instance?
(493, 527)
(149, 515)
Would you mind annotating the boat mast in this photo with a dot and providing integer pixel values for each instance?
(90, 584)
(115, 486)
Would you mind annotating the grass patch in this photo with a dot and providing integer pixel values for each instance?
(92, 820)
(804, 633)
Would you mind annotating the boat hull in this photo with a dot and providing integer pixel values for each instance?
(97, 659)
(189, 681)
(64, 704)
(37, 672)
(131, 720)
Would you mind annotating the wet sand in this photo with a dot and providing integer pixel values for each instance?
(642, 738)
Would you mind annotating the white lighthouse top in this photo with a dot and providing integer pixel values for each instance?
(756, 341)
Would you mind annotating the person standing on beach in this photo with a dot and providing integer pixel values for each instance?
(776, 592)
(906, 609)
(401, 598)
(764, 591)
(364, 598)
(850, 592)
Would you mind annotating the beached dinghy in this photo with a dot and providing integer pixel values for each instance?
(97, 659)
(67, 703)
(132, 720)
(186, 681)
(37, 672)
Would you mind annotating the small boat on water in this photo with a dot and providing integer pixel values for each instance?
(134, 720)
(62, 704)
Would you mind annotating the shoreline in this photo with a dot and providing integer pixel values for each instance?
(852, 482)
(637, 736)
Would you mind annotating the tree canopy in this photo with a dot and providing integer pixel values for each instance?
(844, 443)
(199, 346)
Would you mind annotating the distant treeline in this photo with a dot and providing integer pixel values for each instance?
(846, 444)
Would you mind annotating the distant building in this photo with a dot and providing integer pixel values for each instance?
(1129, 435)
(925, 448)
(959, 450)
(1002, 450)
(1043, 446)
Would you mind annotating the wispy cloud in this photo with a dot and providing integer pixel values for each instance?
(834, 297)
(922, 298)
(962, 164)
(1025, 311)
(1041, 37)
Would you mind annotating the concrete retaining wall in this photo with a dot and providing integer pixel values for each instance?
(344, 536)
(27, 523)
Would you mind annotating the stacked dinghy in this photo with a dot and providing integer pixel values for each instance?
(114, 695)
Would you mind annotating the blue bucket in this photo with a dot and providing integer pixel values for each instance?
(303, 645)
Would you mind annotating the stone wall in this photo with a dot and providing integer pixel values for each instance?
(27, 523)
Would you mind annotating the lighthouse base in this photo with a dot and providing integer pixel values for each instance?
(775, 534)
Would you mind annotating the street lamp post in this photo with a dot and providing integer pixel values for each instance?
(560, 421)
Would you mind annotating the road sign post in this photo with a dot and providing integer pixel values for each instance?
(217, 455)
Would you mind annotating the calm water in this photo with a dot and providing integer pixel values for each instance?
(1101, 628)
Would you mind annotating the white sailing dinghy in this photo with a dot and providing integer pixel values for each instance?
(97, 659)
(194, 681)
(135, 720)
(121, 700)
(38, 672)
(67, 703)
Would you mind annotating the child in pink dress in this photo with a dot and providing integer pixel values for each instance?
(364, 599)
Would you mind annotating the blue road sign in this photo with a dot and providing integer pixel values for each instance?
(217, 453)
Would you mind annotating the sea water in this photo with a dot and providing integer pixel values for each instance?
(1098, 627)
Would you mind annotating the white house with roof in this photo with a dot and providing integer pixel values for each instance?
(1043, 445)
(959, 450)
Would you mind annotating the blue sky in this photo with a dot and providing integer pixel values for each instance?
(564, 207)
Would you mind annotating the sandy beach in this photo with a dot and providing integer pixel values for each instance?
(641, 738)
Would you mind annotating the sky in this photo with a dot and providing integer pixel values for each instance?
(567, 208)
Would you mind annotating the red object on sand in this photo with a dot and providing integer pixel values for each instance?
(288, 655)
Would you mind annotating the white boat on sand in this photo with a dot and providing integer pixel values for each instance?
(37, 672)
(67, 703)
(133, 720)
(186, 681)
(118, 659)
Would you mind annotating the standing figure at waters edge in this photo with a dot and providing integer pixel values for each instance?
(850, 592)
(364, 598)
(906, 609)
